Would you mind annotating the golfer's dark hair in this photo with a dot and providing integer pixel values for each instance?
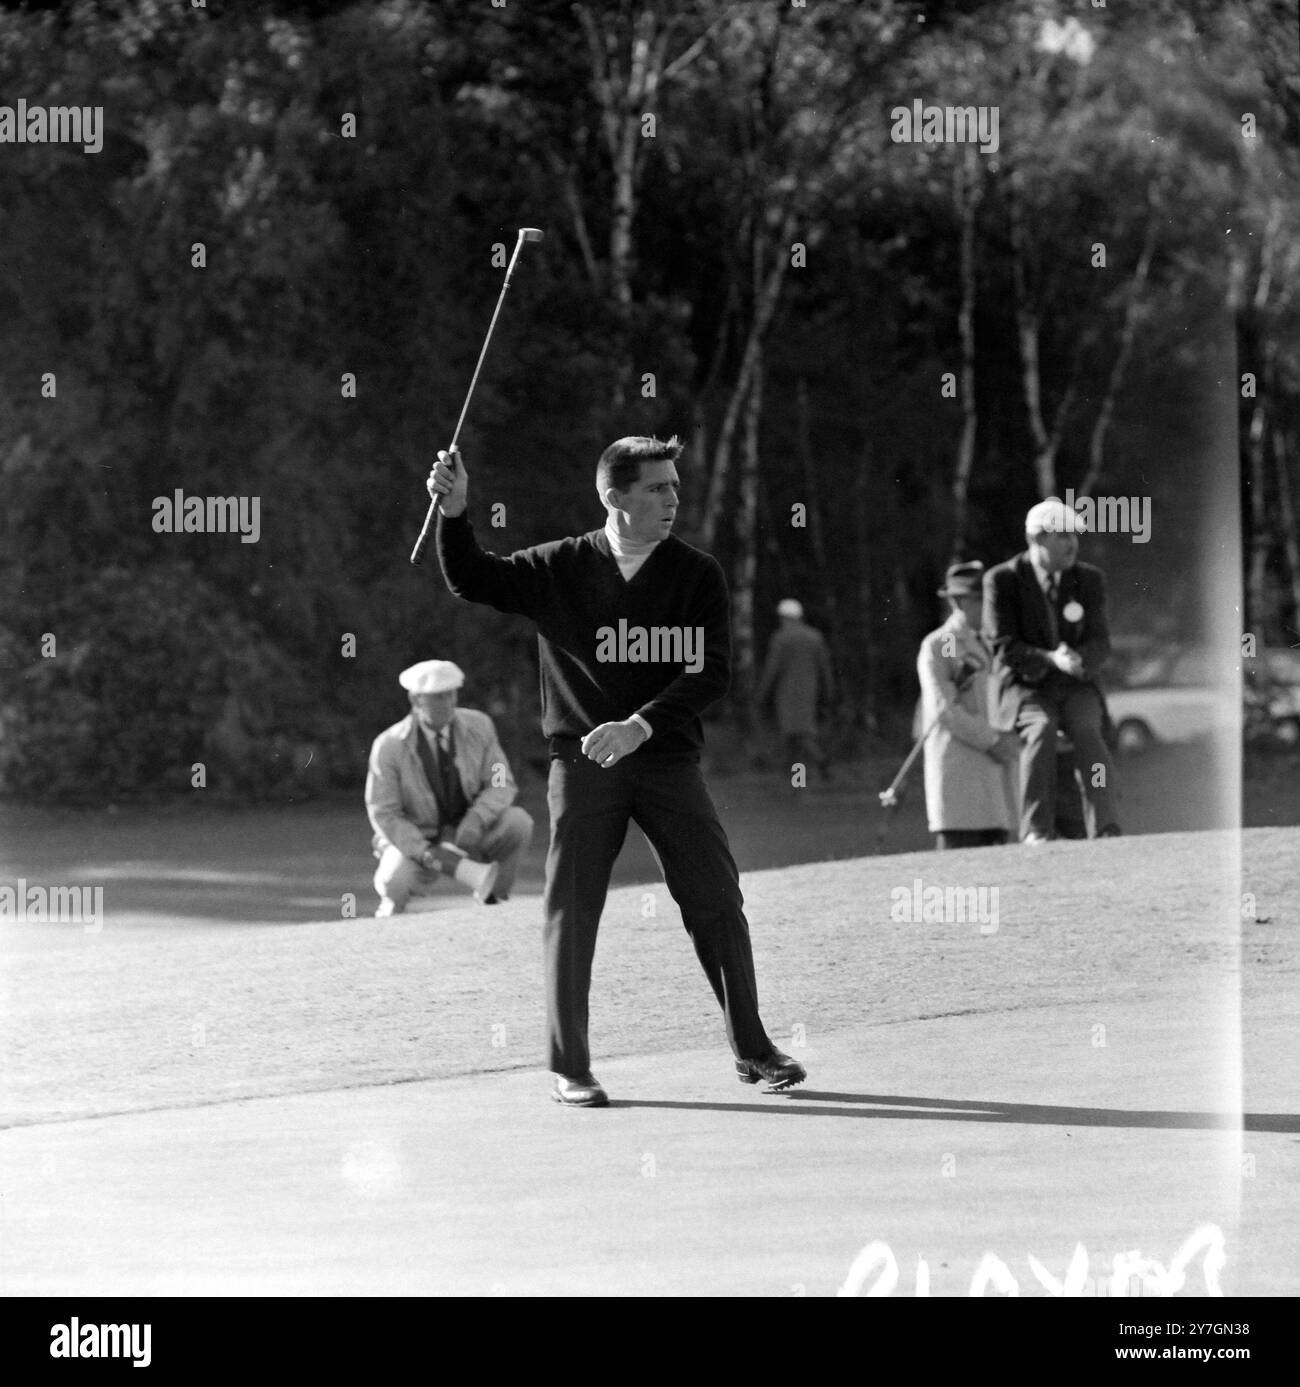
(620, 463)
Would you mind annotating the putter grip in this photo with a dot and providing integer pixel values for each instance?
(421, 544)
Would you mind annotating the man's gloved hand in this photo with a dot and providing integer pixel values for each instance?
(428, 859)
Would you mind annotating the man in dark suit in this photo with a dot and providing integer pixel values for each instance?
(1045, 617)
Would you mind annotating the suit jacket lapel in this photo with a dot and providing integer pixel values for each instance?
(1033, 592)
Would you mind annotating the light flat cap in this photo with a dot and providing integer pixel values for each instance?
(789, 606)
(432, 676)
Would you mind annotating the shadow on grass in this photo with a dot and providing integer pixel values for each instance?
(811, 1103)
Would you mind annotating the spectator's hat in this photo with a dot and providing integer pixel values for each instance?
(1053, 516)
(432, 676)
(963, 580)
(788, 606)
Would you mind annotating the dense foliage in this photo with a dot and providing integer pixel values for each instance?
(293, 194)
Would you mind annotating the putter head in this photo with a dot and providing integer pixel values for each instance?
(888, 798)
(529, 233)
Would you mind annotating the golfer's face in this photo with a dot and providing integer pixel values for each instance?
(1060, 549)
(649, 505)
(434, 710)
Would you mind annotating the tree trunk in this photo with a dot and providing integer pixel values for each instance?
(764, 309)
(577, 217)
(1028, 331)
(865, 715)
(624, 98)
(1261, 359)
(1097, 442)
(746, 570)
(816, 535)
(1287, 519)
(1257, 606)
(968, 188)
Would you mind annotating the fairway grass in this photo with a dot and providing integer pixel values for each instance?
(162, 1013)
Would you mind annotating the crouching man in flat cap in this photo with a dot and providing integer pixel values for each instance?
(1045, 617)
(440, 797)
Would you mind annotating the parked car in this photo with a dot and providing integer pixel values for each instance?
(1271, 688)
(1172, 695)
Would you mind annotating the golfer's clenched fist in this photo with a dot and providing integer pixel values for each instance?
(612, 741)
(449, 480)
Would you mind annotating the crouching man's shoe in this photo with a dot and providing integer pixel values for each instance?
(776, 1070)
(579, 1091)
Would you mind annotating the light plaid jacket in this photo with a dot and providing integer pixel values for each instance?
(399, 800)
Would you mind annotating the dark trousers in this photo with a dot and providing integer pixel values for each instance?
(1075, 708)
(590, 811)
(971, 838)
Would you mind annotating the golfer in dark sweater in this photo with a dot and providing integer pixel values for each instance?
(634, 635)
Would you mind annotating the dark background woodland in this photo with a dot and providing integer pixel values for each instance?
(795, 284)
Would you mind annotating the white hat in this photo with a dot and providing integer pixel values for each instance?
(432, 676)
(1053, 516)
(788, 606)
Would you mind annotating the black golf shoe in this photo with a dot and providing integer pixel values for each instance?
(776, 1070)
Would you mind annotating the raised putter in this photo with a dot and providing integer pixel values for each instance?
(526, 233)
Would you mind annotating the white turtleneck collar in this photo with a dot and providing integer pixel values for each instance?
(629, 554)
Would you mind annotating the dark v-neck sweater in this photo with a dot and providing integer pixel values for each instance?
(585, 610)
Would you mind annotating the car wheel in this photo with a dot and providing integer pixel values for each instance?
(1133, 736)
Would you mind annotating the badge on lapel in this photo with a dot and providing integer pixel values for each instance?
(1072, 612)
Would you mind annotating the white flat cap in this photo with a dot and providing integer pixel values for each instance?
(1053, 516)
(432, 676)
(789, 606)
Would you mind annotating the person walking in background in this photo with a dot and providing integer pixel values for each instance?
(1045, 617)
(798, 676)
(970, 766)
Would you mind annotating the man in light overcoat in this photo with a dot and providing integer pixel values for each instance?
(970, 766)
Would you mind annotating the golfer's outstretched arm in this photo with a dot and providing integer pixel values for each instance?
(516, 583)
